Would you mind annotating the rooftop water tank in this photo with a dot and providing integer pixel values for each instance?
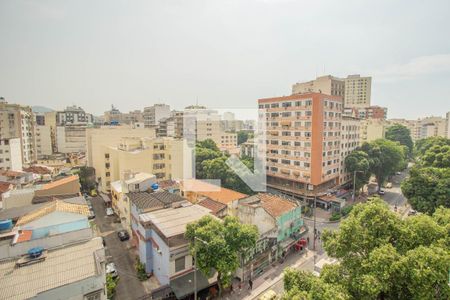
(155, 186)
(5, 224)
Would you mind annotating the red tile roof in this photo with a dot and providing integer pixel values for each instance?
(274, 205)
(5, 186)
(38, 170)
(216, 193)
(212, 205)
(59, 182)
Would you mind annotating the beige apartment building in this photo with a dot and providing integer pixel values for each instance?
(372, 129)
(302, 142)
(328, 84)
(118, 149)
(206, 124)
(17, 121)
(424, 128)
(10, 154)
(43, 140)
(350, 131)
(153, 114)
(357, 91)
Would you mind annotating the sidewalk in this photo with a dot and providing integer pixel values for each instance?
(269, 278)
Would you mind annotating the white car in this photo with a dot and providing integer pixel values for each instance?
(109, 211)
(111, 270)
(398, 173)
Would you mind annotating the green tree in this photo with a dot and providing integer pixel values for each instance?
(87, 178)
(358, 161)
(401, 134)
(111, 284)
(385, 158)
(243, 136)
(208, 144)
(436, 156)
(427, 188)
(421, 146)
(217, 245)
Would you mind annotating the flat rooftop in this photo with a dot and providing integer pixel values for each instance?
(173, 221)
(62, 266)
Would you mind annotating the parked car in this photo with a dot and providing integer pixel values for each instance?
(91, 214)
(123, 235)
(381, 192)
(109, 211)
(398, 173)
(111, 270)
(389, 185)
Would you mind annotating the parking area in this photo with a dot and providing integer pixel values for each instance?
(129, 286)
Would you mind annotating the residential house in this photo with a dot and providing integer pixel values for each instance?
(196, 190)
(280, 227)
(162, 245)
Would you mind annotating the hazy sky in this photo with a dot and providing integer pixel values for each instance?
(224, 53)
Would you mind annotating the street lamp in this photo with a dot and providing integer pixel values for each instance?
(195, 265)
(354, 183)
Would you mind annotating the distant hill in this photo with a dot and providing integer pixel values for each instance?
(41, 109)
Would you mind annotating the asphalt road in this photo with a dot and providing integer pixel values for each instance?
(129, 286)
(394, 196)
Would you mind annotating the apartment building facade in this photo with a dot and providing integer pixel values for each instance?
(328, 84)
(163, 157)
(153, 114)
(43, 140)
(372, 129)
(357, 91)
(302, 142)
(372, 112)
(10, 154)
(17, 121)
(350, 130)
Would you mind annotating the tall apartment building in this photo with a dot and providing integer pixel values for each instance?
(166, 127)
(17, 121)
(10, 154)
(43, 140)
(71, 127)
(350, 130)
(114, 116)
(302, 142)
(328, 84)
(357, 91)
(424, 128)
(153, 114)
(162, 157)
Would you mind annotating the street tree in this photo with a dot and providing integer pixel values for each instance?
(217, 245)
(427, 188)
(385, 158)
(422, 145)
(358, 161)
(382, 256)
(401, 134)
(437, 156)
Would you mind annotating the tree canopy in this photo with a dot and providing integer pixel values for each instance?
(401, 134)
(381, 256)
(358, 161)
(219, 244)
(243, 136)
(211, 164)
(385, 158)
(428, 185)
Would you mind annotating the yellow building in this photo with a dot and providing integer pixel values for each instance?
(163, 157)
(372, 129)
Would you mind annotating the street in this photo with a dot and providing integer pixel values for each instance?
(129, 286)
(394, 196)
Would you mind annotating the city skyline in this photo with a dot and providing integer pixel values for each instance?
(129, 55)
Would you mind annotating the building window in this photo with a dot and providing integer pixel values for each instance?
(180, 264)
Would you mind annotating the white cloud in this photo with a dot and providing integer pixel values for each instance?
(419, 66)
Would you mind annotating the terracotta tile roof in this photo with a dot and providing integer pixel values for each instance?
(53, 206)
(164, 184)
(212, 205)
(24, 236)
(38, 170)
(10, 173)
(4, 187)
(146, 200)
(216, 193)
(59, 182)
(275, 205)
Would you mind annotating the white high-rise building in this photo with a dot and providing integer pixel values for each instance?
(153, 114)
(17, 121)
(10, 154)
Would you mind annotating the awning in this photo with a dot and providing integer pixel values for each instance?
(184, 285)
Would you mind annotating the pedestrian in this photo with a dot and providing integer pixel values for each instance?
(250, 284)
(307, 239)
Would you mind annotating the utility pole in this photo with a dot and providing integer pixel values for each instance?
(195, 265)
